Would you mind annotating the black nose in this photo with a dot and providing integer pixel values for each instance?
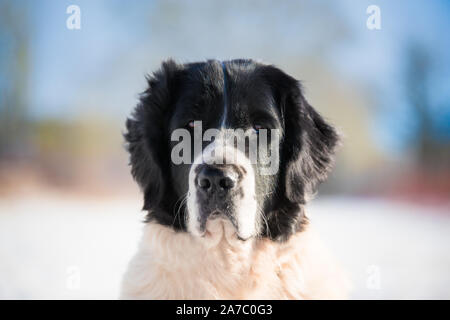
(212, 179)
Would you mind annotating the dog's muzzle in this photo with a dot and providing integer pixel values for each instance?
(216, 186)
(222, 192)
(218, 182)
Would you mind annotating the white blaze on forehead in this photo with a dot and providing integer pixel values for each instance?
(225, 97)
(246, 214)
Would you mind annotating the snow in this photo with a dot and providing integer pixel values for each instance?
(69, 248)
(406, 247)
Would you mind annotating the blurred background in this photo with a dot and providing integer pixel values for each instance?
(69, 211)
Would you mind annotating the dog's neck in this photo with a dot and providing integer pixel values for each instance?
(219, 245)
(173, 264)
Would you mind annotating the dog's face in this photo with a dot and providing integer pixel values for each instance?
(234, 142)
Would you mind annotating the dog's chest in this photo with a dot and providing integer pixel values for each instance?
(173, 265)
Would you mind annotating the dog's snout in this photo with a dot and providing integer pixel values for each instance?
(212, 179)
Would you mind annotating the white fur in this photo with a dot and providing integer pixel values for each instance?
(217, 265)
(247, 214)
(179, 265)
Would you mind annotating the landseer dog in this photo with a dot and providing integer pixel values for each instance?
(220, 226)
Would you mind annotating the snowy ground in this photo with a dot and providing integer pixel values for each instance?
(65, 248)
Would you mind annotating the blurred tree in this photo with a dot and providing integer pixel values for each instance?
(14, 67)
(433, 154)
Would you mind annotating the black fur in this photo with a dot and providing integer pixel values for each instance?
(306, 151)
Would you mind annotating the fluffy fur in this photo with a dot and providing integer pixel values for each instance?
(177, 265)
(258, 248)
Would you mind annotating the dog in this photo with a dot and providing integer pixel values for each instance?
(218, 225)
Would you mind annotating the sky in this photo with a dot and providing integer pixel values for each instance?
(101, 67)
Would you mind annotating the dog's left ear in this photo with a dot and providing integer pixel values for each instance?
(309, 142)
(145, 138)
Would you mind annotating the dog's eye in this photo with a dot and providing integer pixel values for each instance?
(257, 127)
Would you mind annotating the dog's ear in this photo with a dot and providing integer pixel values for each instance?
(145, 135)
(309, 142)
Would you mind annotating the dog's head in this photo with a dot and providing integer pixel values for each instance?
(235, 141)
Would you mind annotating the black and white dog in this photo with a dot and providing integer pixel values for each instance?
(221, 225)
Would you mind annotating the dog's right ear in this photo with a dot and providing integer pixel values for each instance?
(309, 141)
(146, 129)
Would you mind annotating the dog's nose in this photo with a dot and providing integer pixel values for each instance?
(212, 179)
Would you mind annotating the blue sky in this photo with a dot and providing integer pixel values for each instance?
(101, 66)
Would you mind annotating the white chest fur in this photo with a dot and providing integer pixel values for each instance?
(177, 265)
